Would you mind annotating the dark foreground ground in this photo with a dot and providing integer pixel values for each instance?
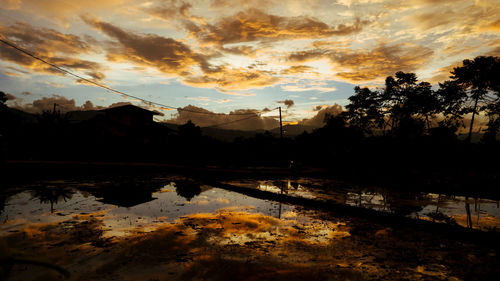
(309, 241)
(239, 246)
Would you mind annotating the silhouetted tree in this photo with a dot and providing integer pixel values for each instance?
(410, 104)
(365, 110)
(480, 79)
(452, 98)
(493, 113)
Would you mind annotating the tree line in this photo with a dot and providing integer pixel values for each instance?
(407, 107)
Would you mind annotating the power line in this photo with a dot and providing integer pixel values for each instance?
(78, 77)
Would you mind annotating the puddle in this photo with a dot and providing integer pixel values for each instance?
(124, 209)
(477, 213)
(180, 229)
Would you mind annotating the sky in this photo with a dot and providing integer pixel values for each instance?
(233, 56)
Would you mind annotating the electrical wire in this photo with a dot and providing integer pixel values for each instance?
(81, 78)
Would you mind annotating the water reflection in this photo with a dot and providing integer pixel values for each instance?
(182, 229)
(53, 194)
(187, 189)
(125, 208)
(484, 215)
(126, 205)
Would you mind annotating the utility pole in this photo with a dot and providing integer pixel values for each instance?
(281, 126)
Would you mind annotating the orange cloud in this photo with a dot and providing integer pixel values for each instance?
(233, 79)
(256, 25)
(49, 44)
(165, 54)
(367, 65)
(61, 10)
(296, 69)
(174, 57)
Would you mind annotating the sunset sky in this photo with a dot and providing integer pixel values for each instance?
(225, 55)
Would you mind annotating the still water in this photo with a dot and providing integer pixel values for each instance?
(178, 228)
(478, 213)
(125, 208)
(143, 204)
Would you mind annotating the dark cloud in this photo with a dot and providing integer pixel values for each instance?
(318, 119)
(166, 54)
(252, 121)
(256, 25)
(288, 103)
(319, 107)
(56, 47)
(240, 50)
(63, 104)
(47, 103)
(307, 55)
(174, 57)
(366, 65)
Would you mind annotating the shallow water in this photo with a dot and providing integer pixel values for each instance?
(133, 211)
(477, 213)
(176, 228)
(142, 206)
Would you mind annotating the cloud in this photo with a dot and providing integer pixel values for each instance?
(443, 73)
(10, 4)
(240, 119)
(256, 25)
(166, 54)
(174, 10)
(64, 104)
(233, 79)
(13, 74)
(50, 45)
(308, 85)
(366, 65)
(10, 97)
(288, 103)
(307, 55)
(174, 57)
(61, 11)
(318, 119)
(47, 103)
(493, 26)
(296, 69)
(232, 93)
(240, 50)
(380, 62)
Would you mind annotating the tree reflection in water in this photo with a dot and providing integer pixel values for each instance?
(187, 189)
(53, 195)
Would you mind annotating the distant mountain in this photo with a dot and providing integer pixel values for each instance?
(231, 135)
